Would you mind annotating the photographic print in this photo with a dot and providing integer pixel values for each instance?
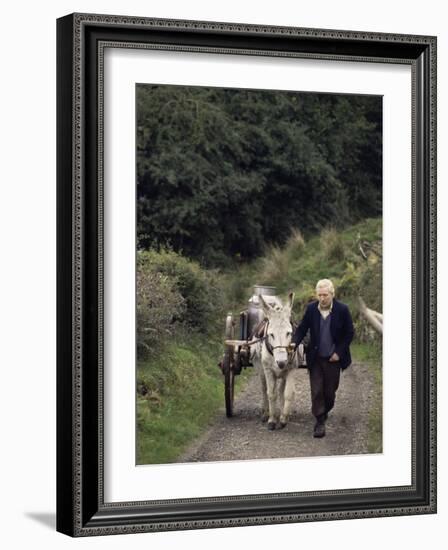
(258, 274)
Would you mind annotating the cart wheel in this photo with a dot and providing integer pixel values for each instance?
(228, 363)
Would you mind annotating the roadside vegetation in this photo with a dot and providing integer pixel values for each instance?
(181, 308)
(372, 354)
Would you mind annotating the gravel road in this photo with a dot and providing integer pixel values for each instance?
(244, 436)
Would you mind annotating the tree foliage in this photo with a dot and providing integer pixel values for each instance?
(221, 173)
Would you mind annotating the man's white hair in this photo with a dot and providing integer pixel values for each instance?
(325, 283)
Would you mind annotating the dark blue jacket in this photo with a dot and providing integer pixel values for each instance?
(341, 328)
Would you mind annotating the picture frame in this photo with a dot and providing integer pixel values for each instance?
(81, 506)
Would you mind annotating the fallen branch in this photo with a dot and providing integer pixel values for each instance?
(374, 318)
(372, 248)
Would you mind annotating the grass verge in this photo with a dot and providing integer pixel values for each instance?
(371, 354)
(179, 394)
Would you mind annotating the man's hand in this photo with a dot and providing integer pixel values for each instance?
(334, 358)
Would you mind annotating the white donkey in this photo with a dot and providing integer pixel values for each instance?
(276, 361)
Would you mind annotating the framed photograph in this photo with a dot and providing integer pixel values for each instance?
(246, 274)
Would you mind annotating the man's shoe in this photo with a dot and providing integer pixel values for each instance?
(319, 429)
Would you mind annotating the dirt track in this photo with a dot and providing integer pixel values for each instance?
(245, 437)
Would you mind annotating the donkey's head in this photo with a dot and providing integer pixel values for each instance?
(279, 329)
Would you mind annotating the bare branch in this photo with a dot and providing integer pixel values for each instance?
(363, 254)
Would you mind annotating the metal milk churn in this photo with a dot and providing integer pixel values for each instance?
(255, 310)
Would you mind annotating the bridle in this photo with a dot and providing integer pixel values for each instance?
(270, 348)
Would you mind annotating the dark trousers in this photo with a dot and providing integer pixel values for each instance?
(324, 381)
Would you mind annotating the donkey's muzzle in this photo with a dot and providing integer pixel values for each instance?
(281, 364)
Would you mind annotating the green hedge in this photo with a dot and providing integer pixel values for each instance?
(173, 290)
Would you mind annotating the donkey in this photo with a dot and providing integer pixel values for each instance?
(276, 361)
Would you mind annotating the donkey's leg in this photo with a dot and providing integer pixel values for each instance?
(255, 357)
(288, 398)
(264, 395)
(281, 393)
(270, 382)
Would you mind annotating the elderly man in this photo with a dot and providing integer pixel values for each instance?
(331, 332)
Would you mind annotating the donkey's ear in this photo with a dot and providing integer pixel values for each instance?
(266, 307)
(291, 300)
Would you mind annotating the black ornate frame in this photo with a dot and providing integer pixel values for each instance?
(81, 39)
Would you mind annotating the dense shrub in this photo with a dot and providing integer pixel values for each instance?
(159, 304)
(200, 289)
